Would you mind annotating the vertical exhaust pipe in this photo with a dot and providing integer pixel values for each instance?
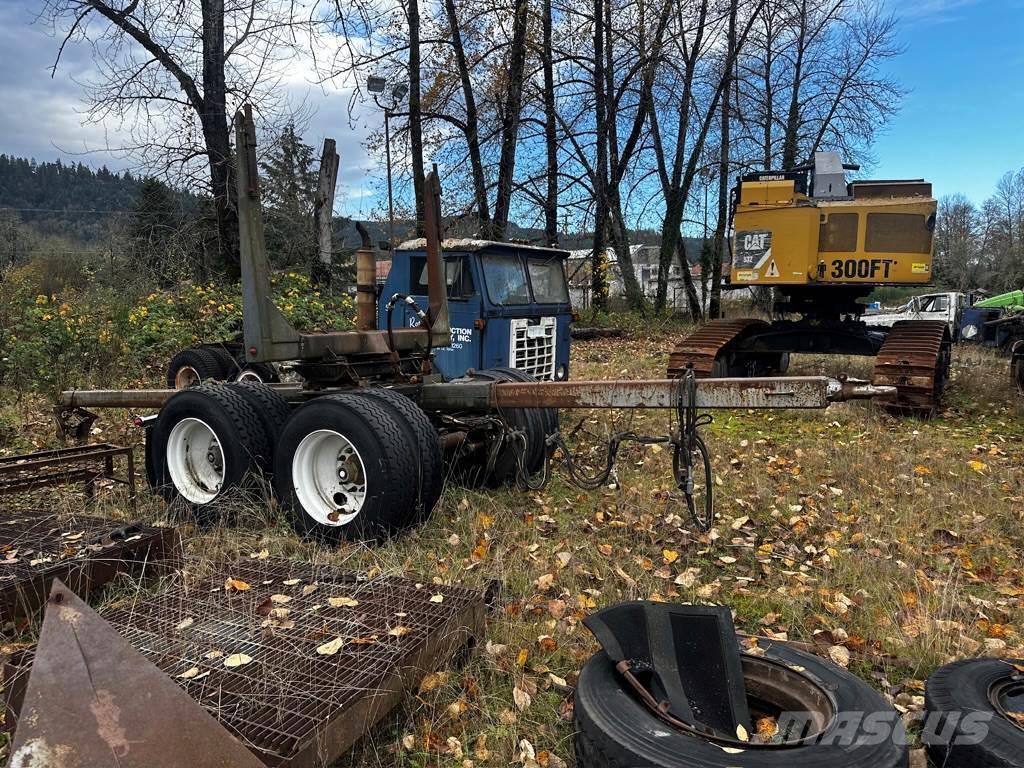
(437, 289)
(366, 282)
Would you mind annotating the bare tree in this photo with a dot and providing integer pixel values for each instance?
(172, 71)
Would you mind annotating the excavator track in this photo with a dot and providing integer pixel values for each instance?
(915, 358)
(705, 344)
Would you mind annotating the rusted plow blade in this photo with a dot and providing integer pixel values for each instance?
(915, 358)
(702, 347)
(94, 700)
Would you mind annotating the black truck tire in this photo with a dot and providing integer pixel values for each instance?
(961, 689)
(272, 410)
(549, 415)
(198, 365)
(380, 459)
(530, 421)
(186, 428)
(423, 434)
(615, 729)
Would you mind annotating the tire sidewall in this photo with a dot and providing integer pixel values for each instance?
(379, 515)
(193, 403)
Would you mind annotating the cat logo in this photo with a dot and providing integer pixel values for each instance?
(773, 271)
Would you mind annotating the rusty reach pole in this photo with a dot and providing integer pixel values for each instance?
(711, 394)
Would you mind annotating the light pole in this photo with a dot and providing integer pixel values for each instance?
(377, 85)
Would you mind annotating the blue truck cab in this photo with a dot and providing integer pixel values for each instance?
(508, 305)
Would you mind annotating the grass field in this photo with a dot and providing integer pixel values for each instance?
(890, 544)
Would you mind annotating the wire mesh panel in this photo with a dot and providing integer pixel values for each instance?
(85, 463)
(84, 552)
(296, 660)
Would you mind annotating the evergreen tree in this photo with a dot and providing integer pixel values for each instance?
(155, 220)
(289, 184)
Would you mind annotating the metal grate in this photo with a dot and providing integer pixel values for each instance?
(533, 347)
(292, 705)
(85, 463)
(83, 552)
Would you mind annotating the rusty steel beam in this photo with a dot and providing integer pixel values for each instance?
(787, 392)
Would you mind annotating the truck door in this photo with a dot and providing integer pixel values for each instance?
(937, 307)
(464, 308)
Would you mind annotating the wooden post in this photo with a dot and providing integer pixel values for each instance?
(323, 214)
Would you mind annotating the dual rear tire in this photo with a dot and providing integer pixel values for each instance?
(352, 466)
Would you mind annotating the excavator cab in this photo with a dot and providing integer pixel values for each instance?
(810, 227)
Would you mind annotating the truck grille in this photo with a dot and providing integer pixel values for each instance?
(533, 347)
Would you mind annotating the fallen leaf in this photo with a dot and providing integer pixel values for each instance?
(399, 631)
(237, 660)
(408, 742)
(342, 602)
(189, 673)
(232, 584)
(439, 598)
(291, 582)
(280, 599)
(331, 647)
(521, 698)
(669, 555)
(185, 623)
(309, 589)
(840, 655)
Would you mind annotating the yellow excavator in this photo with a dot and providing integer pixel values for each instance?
(823, 244)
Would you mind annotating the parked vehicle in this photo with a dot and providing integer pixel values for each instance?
(508, 305)
(947, 307)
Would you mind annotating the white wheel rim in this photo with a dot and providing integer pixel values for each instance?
(195, 460)
(250, 375)
(329, 477)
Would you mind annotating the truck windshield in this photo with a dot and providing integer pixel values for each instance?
(548, 280)
(506, 279)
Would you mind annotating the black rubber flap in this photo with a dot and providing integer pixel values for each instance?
(685, 655)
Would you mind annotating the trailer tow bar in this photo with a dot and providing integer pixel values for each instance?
(685, 441)
(691, 461)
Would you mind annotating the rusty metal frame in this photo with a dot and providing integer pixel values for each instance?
(84, 553)
(86, 463)
(291, 706)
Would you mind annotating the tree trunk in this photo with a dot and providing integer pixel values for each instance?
(415, 115)
(550, 135)
(790, 144)
(598, 277)
(214, 121)
(510, 121)
(472, 122)
(721, 228)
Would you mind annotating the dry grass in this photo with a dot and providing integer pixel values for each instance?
(899, 538)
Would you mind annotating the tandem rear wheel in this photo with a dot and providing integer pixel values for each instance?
(357, 466)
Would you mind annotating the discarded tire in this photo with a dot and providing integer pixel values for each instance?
(198, 365)
(206, 441)
(271, 409)
(852, 725)
(345, 468)
(971, 700)
(422, 434)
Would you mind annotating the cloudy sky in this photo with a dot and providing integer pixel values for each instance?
(961, 126)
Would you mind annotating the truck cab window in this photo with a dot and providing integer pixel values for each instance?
(457, 273)
(547, 277)
(506, 279)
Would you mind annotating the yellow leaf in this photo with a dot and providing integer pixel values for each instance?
(309, 589)
(399, 631)
(977, 466)
(921, 469)
(237, 660)
(521, 657)
(342, 602)
(670, 555)
(232, 584)
(331, 647)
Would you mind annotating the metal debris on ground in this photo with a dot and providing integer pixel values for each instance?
(86, 463)
(94, 700)
(296, 660)
(83, 552)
